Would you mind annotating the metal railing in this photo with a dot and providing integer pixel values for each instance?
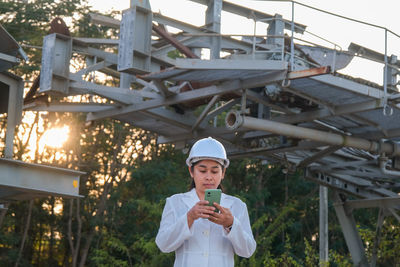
(387, 110)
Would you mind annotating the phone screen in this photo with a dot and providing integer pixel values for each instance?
(213, 195)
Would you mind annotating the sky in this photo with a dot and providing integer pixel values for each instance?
(337, 30)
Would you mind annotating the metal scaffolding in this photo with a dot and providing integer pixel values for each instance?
(272, 86)
(21, 180)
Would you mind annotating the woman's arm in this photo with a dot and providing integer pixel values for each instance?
(241, 236)
(173, 231)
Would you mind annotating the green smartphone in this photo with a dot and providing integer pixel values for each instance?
(213, 195)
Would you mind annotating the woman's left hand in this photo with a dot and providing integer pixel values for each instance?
(224, 218)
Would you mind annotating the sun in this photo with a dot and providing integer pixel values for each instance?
(54, 138)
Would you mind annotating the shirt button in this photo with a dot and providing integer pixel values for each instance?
(205, 254)
(205, 233)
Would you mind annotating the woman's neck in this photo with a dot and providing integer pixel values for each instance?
(200, 194)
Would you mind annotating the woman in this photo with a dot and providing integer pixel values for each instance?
(199, 235)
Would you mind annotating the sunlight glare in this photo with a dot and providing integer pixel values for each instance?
(54, 137)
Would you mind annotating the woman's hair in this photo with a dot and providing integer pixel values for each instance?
(193, 185)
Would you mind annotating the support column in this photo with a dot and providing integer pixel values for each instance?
(213, 23)
(134, 47)
(125, 80)
(15, 87)
(350, 232)
(379, 224)
(323, 226)
(276, 28)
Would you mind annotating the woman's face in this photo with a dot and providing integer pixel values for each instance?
(207, 174)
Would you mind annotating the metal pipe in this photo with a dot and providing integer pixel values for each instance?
(235, 120)
(382, 165)
(174, 42)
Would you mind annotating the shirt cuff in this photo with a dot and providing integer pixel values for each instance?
(228, 230)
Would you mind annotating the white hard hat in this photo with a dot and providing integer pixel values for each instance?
(208, 148)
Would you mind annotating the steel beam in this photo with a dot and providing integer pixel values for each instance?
(95, 41)
(174, 42)
(318, 156)
(21, 180)
(228, 43)
(14, 108)
(104, 20)
(57, 52)
(205, 111)
(9, 58)
(350, 232)
(94, 67)
(183, 121)
(100, 54)
(275, 32)
(308, 72)
(348, 163)
(68, 107)
(225, 87)
(252, 14)
(355, 186)
(323, 226)
(134, 47)
(350, 86)
(384, 202)
(204, 132)
(270, 151)
(203, 42)
(309, 98)
(162, 88)
(333, 111)
(213, 23)
(121, 95)
(186, 27)
(261, 99)
(377, 240)
(230, 64)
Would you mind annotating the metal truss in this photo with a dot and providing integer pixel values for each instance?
(281, 103)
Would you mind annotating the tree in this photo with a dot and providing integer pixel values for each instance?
(128, 176)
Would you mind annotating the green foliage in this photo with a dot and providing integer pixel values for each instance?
(175, 54)
(29, 21)
(128, 176)
(103, 256)
(311, 257)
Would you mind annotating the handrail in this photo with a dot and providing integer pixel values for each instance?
(387, 110)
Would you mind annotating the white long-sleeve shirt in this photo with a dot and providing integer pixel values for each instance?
(204, 243)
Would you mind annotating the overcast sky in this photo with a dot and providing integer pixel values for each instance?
(339, 31)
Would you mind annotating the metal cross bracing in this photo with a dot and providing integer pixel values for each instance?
(281, 100)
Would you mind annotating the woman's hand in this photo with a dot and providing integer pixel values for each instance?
(200, 210)
(224, 218)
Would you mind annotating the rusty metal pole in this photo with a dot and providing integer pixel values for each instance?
(173, 41)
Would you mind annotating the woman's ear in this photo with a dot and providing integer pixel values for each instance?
(190, 171)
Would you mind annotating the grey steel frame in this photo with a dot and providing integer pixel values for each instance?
(354, 121)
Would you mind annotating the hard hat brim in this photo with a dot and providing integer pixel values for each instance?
(223, 162)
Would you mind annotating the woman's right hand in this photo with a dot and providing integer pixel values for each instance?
(200, 210)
